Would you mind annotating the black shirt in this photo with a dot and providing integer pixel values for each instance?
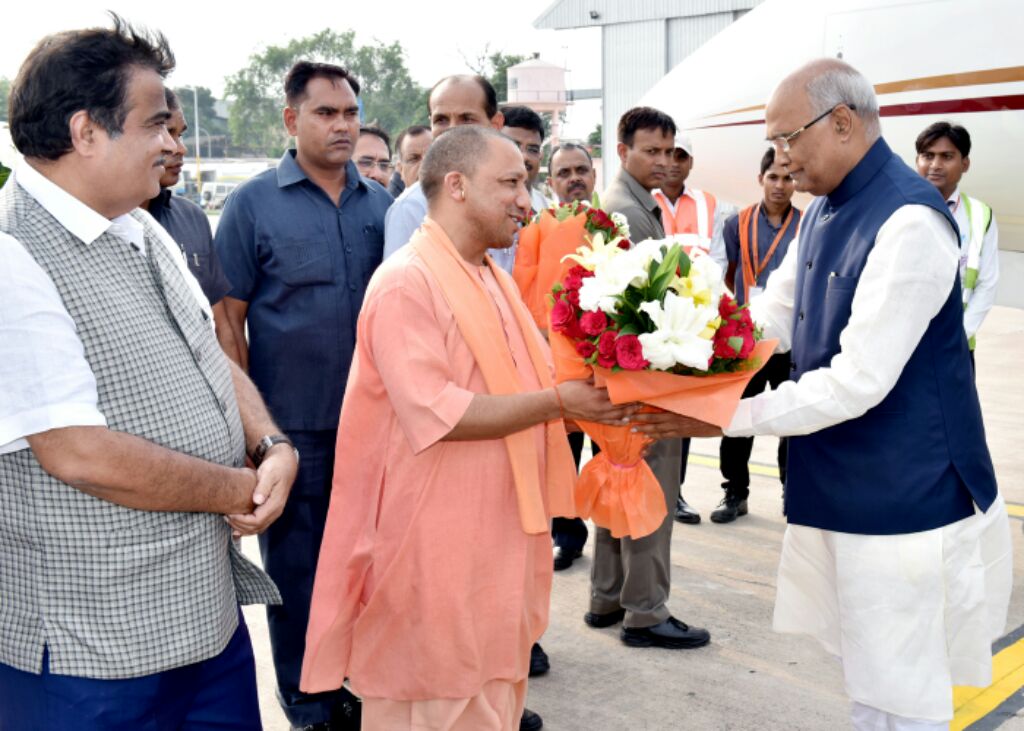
(190, 228)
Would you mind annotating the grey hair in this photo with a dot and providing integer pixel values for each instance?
(459, 149)
(840, 83)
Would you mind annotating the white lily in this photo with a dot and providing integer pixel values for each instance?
(679, 323)
(597, 253)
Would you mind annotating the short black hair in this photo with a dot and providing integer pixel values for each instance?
(956, 134)
(377, 132)
(523, 118)
(643, 118)
(490, 95)
(303, 72)
(414, 131)
(173, 103)
(767, 160)
(568, 146)
(80, 70)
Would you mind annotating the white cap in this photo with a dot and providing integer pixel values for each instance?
(683, 143)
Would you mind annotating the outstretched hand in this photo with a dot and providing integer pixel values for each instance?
(667, 425)
(582, 400)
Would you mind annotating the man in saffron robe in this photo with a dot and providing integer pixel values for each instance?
(435, 569)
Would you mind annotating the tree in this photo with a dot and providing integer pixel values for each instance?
(494, 67)
(213, 126)
(594, 141)
(388, 93)
(5, 91)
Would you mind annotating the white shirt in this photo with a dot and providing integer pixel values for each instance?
(47, 382)
(906, 279)
(984, 295)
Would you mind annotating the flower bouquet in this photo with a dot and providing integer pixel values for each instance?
(654, 324)
(553, 234)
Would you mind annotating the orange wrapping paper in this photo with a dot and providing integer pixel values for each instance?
(616, 489)
(539, 265)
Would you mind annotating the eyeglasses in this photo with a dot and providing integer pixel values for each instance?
(782, 142)
(367, 163)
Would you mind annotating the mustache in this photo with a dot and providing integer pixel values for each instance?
(161, 162)
(578, 185)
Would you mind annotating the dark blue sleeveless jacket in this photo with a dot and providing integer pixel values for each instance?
(918, 460)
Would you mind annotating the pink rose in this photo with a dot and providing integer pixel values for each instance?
(630, 353)
(593, 322)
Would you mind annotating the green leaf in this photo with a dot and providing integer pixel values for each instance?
(630, 329)
(736, 343)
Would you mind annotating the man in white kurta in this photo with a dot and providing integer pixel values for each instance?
(897, 557)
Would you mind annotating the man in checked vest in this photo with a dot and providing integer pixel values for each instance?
(123, 427)
(943, 156)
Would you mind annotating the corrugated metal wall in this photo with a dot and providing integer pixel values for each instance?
(576, 13)
(637, 55)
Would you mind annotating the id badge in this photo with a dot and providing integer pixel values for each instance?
(756, 292)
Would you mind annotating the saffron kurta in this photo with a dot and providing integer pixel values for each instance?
(427, 586)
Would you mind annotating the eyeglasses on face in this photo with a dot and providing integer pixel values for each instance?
(367, 163)
(782, 143)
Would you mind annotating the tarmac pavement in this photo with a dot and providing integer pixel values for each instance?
(723, 578)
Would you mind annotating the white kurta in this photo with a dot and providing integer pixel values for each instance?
(913, 614)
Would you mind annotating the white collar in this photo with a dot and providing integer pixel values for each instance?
(79, 219)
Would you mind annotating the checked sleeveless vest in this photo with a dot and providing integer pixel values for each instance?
(114, 592)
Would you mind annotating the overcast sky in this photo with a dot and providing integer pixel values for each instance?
(213, 39)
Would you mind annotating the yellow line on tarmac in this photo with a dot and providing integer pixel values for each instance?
(972, 704)
(756, 468)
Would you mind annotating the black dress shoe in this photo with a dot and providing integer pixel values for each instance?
(671, 634)
(530, 721)
(598, 621)
(564, 557)
(729, 509)
(539, 663)
(686, 514)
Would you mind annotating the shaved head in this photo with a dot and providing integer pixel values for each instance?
(460, 150)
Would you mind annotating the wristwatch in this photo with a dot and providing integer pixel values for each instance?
(266, 442)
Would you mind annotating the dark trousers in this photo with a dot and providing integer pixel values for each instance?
(571, 533)
(734, 452)
(682, 465)
(290, 550)
(218, 694)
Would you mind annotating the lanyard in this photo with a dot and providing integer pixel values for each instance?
(752, 267)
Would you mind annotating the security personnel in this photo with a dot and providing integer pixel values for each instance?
(943, 156)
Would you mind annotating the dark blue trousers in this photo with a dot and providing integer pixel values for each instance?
(218, 694)
(571, 533)
(290, 550)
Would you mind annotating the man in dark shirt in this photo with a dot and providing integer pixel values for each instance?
(190, 228)
(299, 244)
(756, 241)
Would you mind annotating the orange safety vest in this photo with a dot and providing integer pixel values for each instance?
(693, 215)
(750, 263)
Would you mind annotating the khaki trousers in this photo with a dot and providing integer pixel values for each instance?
(635, 574)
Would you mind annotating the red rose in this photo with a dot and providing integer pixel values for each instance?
(563, 317)
(726, 306)
(606, 349)
(593, 322)
(630, 353)
(572, 281)
(625, 244)
(585, 348)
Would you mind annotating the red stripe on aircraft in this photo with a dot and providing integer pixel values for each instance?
(1010, 102)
